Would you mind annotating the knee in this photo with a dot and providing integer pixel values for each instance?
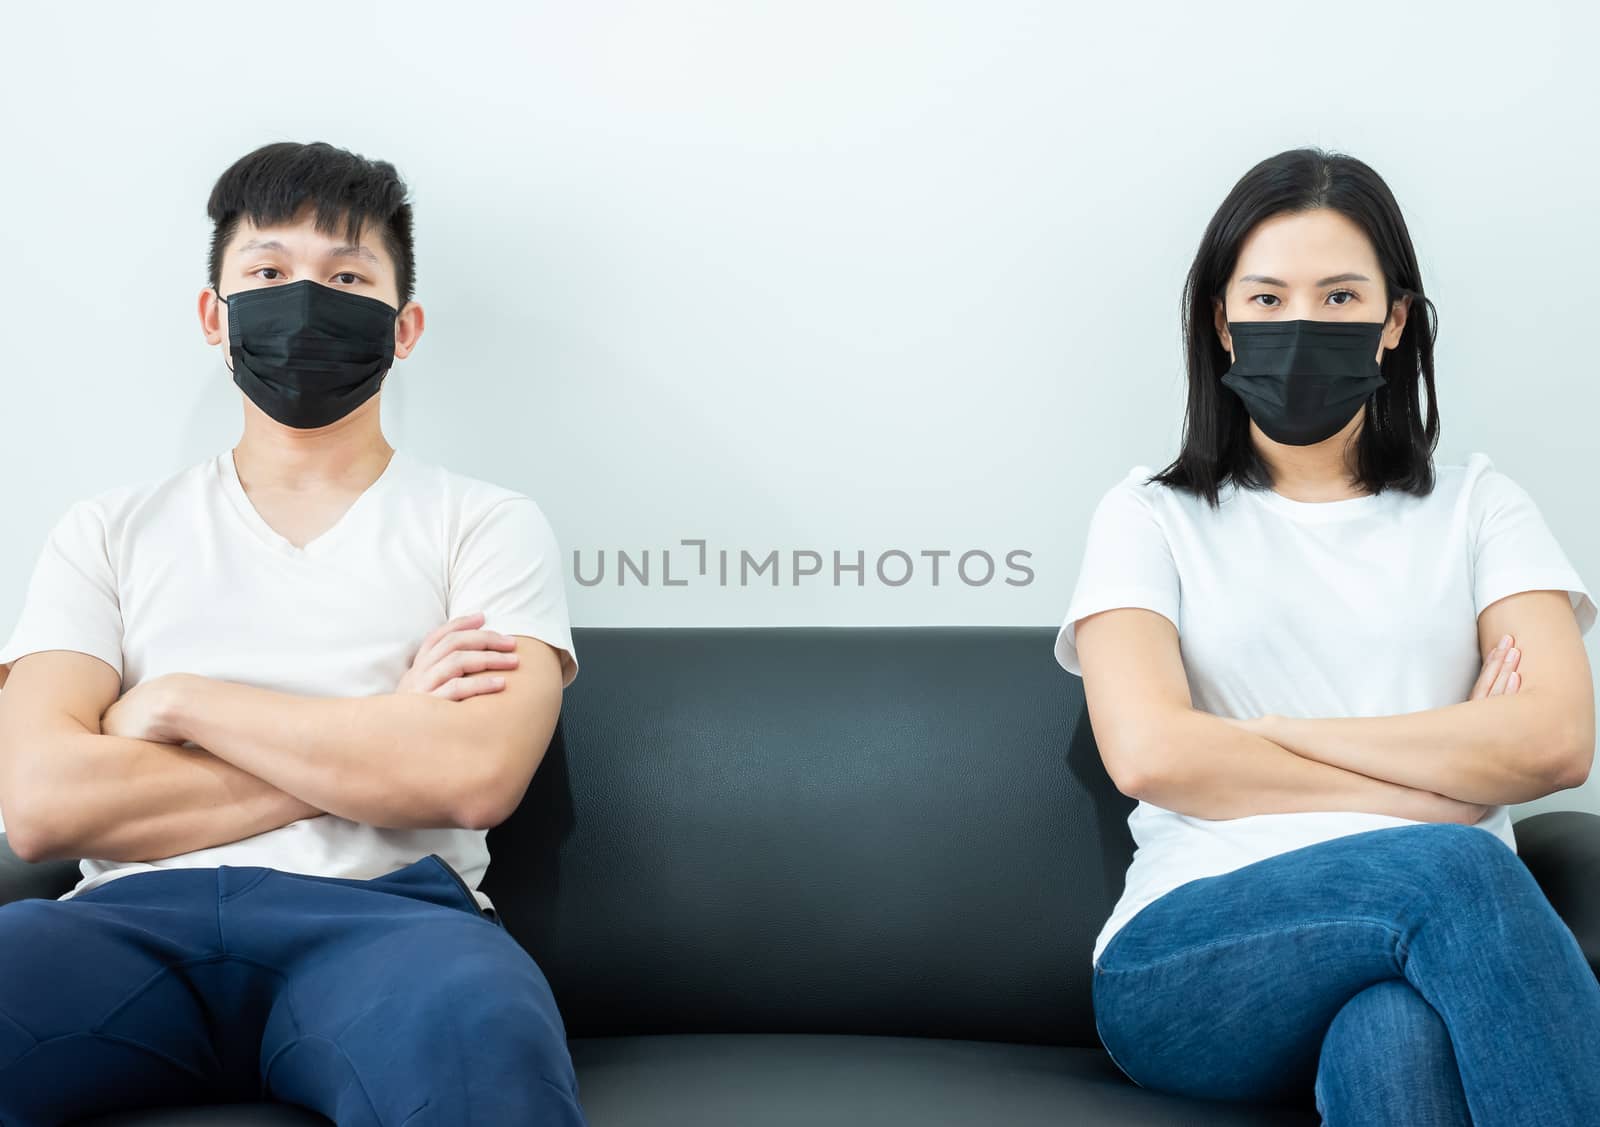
(505, 1009)
(1380, 1045)
(1465, 864)
(1385, 1022)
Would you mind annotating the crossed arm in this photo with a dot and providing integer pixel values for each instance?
(83, 773)
(1442, 764)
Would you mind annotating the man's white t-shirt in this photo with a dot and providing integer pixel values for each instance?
(1362, 607)
(184, 575)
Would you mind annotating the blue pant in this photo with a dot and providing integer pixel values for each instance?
(1413, 974)
(386, 1001)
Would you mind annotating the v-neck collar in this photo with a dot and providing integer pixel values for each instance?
(228, 472)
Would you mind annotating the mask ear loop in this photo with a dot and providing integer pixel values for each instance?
(228, 347)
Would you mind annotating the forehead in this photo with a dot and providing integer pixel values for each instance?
(300, 238)
(1317, 243)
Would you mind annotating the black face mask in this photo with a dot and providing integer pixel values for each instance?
(1302, 381)
(309, 354)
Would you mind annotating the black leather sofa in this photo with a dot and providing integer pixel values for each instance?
(834, 876)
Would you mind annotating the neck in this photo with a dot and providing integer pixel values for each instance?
(351, 453)
(1323, 471)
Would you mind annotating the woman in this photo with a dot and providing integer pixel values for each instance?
(1282, 637)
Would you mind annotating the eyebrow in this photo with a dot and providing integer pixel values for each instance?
(349, 251)
(1328, 281)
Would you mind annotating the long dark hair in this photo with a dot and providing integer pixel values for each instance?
(1394, 449)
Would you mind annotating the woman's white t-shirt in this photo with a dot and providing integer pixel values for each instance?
(184, 575)
(1362, 607)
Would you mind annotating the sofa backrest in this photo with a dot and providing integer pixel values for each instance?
(876, 830)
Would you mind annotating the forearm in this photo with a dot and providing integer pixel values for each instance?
(396, 761)
(1496, 750)
(132, 800)
(1208, 768)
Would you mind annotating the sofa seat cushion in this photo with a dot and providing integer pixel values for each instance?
(738, 1080)
(743, 1080)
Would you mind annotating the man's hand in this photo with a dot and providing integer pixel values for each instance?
(145, 711)
(453, 661)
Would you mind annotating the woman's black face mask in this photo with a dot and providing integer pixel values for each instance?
(309, 354)
(1302, 381)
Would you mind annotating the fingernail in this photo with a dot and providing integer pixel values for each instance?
(497, 682)
(1511, 655)
(1504, 642)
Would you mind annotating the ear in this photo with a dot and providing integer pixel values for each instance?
(407, 329)
(212, 316)
(1396, 323)
(1220, 319)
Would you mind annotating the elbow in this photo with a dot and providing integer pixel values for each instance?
(23, 836)
(492, 797)
(24, 845)
(1133, 762)
(1575, 759)
(1575, 751)
(26, 822)
(483, 811)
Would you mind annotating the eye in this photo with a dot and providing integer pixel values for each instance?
(1351, 294)
(1270, 304)
(349, 278)
(268, 273)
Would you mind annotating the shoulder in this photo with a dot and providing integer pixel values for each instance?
(1477, 485)
(474, 506)
(108, 515)
(1135, 495)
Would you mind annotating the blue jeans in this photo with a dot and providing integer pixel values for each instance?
(375, 1002)
(1409, 975)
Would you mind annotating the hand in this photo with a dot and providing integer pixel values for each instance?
(453, 660)
(1498, 677)
(1499, 674)
(146, 712)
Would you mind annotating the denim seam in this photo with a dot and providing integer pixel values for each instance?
(354, 1072)
(1226, 940)
(222, 941)
(18, 1026)
(144, 986)
(564, 1089)
(140, 1045)
(238, 892)
(459, 883)
(1104, 1045)
(299, 1033)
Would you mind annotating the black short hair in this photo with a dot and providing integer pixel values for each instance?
(272, 184)
(1395, 447)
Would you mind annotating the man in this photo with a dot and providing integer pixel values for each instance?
(216, 695)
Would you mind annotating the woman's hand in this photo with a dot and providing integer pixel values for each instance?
(1499, 674)
(1498, 677)
(454, 661)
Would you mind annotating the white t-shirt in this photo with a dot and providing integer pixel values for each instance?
(184, 575)
(1362, 607)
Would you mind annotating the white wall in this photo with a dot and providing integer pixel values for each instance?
(826, 275)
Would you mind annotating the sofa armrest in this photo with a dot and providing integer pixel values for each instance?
(1562, 850)
(19, 880)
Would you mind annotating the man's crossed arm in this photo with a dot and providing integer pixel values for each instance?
(83, 773)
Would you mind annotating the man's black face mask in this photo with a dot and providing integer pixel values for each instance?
(309, 354)
(1302, 381)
